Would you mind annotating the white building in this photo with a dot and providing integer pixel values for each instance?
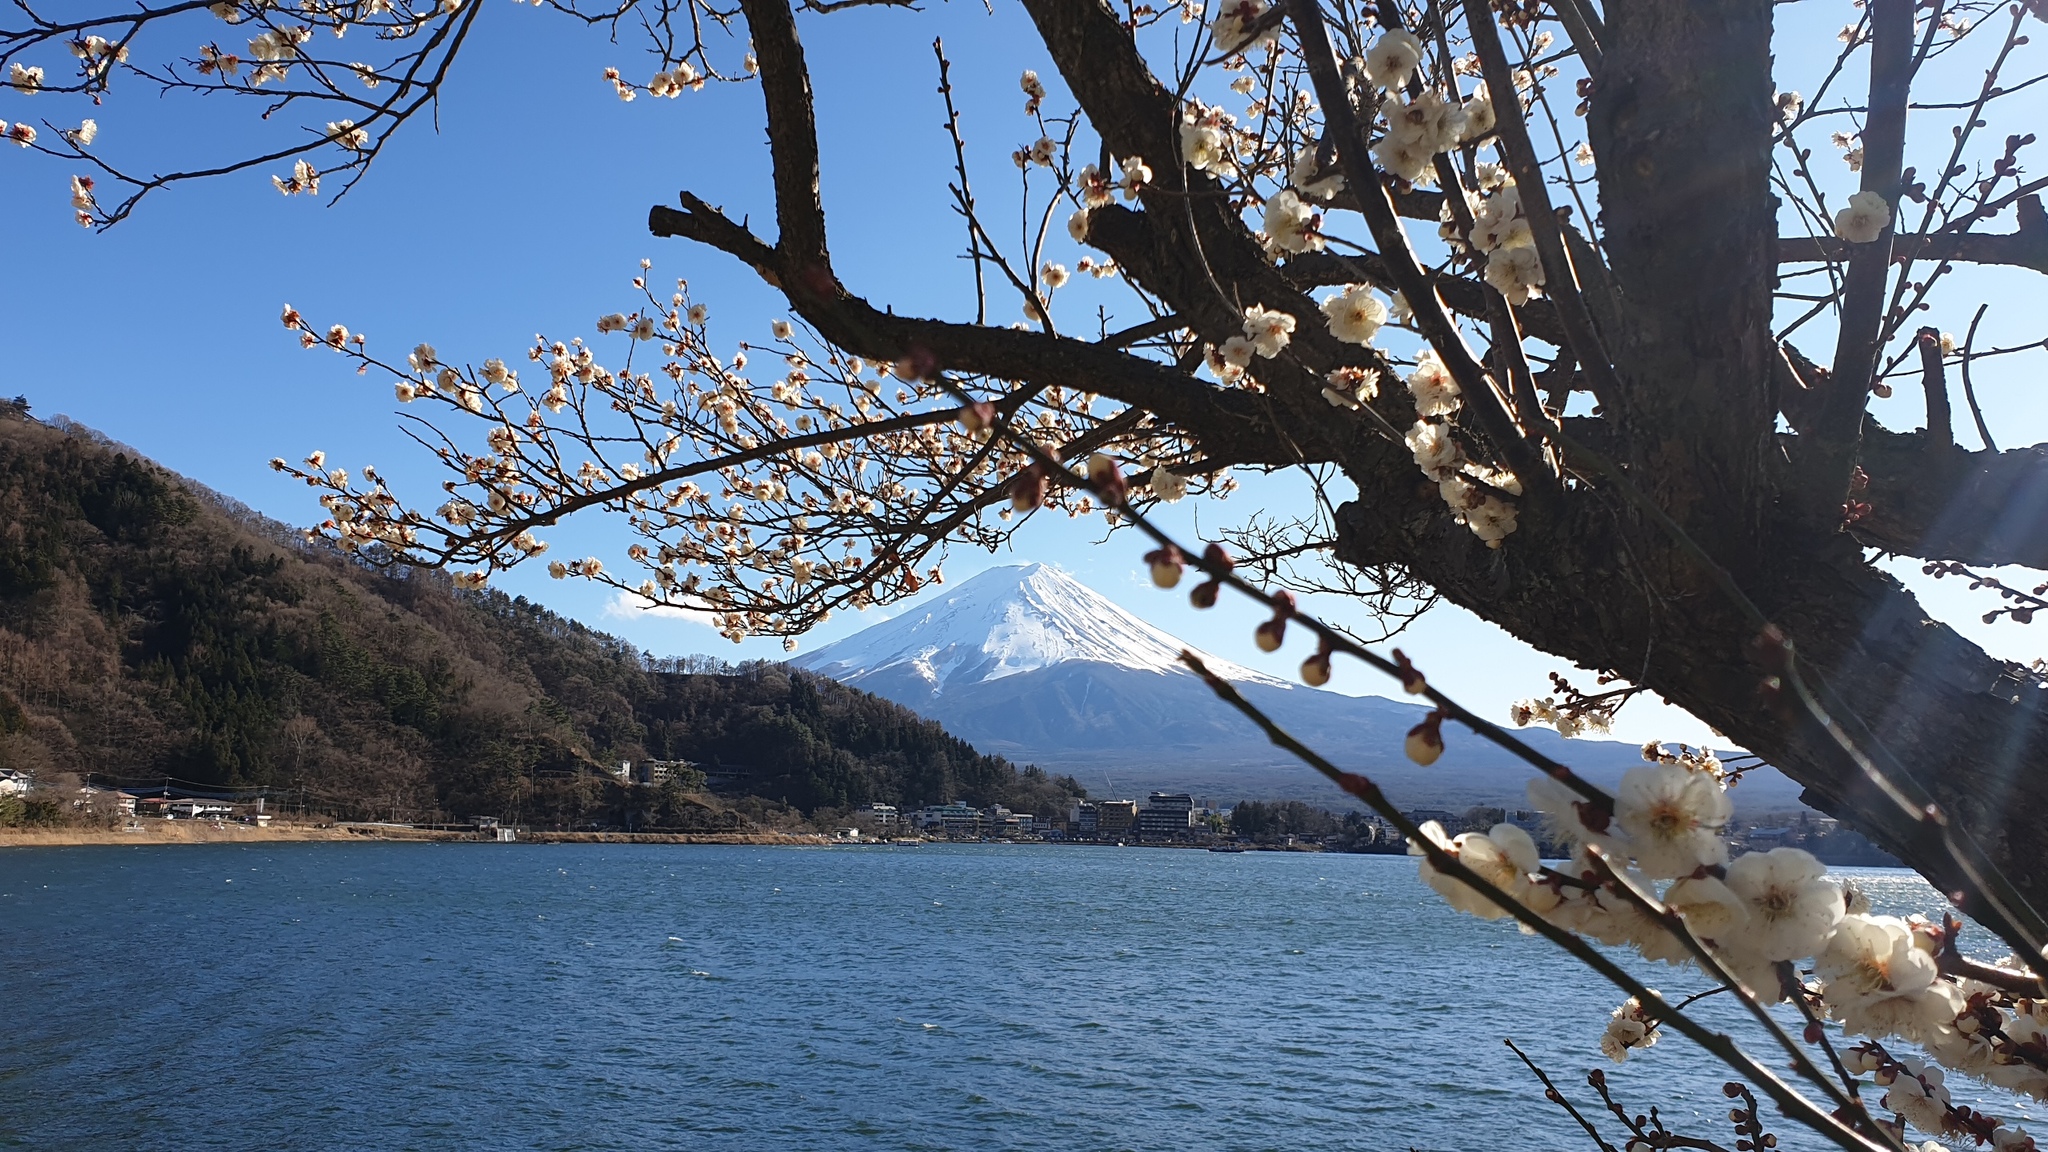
(955, 819)
(14, 783)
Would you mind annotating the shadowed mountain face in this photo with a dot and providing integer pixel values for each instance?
(152, 631)
(1029, 664)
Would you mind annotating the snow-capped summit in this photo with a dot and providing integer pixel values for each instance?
(1027, 662)
(1004, 622)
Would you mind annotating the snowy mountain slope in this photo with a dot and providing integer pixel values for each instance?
(1028, 663)
(1005, 622)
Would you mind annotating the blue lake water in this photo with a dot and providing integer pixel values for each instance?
(401, 996)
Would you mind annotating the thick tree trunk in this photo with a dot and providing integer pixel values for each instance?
(1601, 593)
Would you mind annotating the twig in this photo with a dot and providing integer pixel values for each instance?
(1935, 384)
(1969, 392)
(1556, 1097)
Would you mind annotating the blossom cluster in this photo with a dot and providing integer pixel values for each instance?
(1762, 917)
(1473, 491)
(761, 500)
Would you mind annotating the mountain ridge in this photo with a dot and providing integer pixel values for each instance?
(153, 630)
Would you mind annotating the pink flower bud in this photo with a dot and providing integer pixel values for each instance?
(979, 416)
(1411, 679)
(1107, 478)
(1027, 489)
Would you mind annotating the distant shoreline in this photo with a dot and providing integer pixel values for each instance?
(159, 832)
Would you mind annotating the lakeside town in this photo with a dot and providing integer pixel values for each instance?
(1161, 819)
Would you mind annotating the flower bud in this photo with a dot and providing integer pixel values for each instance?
(978, 417)
(1411, 678)
(1107, 478)
(1424, 745)
(1027, 488)
(1166, 565)
(1426, 740)
(1315, 671)
(1203, 595)
(1270, 635)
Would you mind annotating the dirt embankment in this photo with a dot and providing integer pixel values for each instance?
(169, 832)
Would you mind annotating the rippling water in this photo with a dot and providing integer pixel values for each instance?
(590, 997)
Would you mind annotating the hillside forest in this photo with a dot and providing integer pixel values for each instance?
(153, 632)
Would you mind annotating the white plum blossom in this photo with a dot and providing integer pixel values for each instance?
(1355, 315)
(1674, 818)
(25, 79)
(1310, 179)
(1879, 981)
(1268, 329)
(1516, 273)
(1560, 806)
(1205, 146)
(1291, 224)
(1417, 130)
(1434, 450)
(1791, 908)
(1436, 394)
(1168, 485)
(1077, 226)
(1135, 176)
(1711, 909)
(1094, 188)
(1234, 23)
(1503, 857)
(1393, 58)
(1034, 91)
(1479, 115)
(1864, 219)
(346, 134)
(1918, 1094)
(1628, 1028)
(1351, 388)
(1498, 222)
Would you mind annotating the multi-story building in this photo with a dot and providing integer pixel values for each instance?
(1115, 818)
(1166, 816)
(882, 814)
(955, 819)
(657, 771)
(1081, 820)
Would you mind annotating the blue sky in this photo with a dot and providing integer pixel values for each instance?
(526, 212)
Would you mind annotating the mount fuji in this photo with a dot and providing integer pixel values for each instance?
(1026, 662)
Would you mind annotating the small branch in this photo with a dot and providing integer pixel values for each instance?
(2025, 248)
(1969, 391)
(960, 167)
(1954, 963)
(1856, 347)
(1556, 1097)
(1935, 384)
(1561, 282)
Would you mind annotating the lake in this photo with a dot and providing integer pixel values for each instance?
(425, 996)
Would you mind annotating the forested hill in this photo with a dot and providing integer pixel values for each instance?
(150, 628)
